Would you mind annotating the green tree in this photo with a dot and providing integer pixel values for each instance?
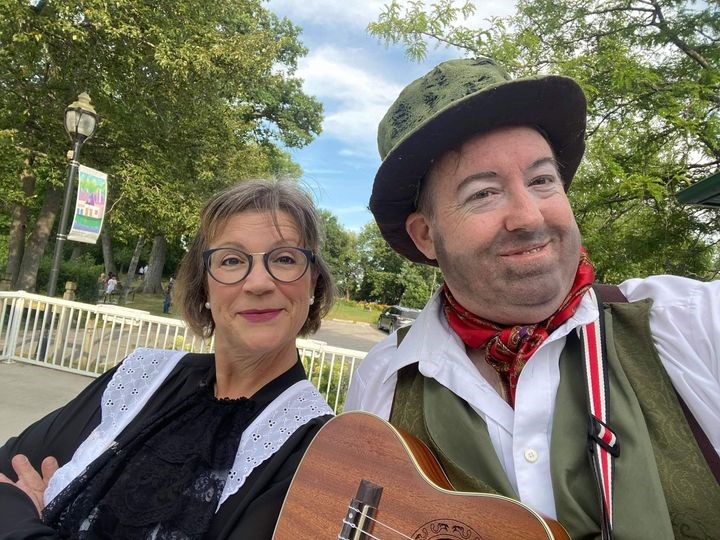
(420, 282)
(192, 96)
(387, 277)
(339, 253)
(651, 72)
(379, 268)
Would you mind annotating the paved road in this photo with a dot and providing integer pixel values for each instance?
(29, 392)
(357, 336)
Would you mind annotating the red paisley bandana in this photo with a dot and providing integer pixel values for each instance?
(508, 348)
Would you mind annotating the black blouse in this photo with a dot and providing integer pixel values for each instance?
(168, 469)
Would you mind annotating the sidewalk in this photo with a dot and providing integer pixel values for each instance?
(29, 392)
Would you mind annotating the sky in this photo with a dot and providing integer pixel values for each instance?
(356, 78)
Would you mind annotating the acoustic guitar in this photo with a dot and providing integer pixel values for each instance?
(362, 479)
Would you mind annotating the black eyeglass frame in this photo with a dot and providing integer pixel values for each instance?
(309, 259)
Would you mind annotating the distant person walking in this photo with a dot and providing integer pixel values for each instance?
(111, 284)
(101, 284)
(110, 287)
(167, 301)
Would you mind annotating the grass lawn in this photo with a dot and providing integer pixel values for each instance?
(343, 309)
(353, 311)
(149, 302)
(152, 303)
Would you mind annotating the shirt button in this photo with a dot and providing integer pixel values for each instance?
(531, 456)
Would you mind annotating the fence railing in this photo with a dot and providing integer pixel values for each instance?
(90, 339)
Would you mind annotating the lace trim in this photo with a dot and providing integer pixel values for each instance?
(139, 377)
(132, 385)
(295, 407)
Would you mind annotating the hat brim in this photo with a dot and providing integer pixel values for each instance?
(555, 104)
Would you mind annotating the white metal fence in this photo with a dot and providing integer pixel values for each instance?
(90, 339)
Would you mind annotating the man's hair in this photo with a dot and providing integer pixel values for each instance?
(252, 196)
(423, 200)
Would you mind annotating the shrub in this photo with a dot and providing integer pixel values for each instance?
(83, 271)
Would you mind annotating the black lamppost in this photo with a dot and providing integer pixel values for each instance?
(80, 122)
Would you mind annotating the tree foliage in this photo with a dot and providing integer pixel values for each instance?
(387, 277)
(651, 72)
(192, 96)
(339, 253)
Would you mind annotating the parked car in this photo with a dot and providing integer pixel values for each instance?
(394, 317)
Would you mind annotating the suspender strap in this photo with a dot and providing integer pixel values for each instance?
(603, 445)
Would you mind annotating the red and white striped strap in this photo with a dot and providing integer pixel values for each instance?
(603, 444)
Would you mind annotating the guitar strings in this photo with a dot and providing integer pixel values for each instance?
(388, 527)
(377, 522)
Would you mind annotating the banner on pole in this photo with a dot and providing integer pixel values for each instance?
(90, 206)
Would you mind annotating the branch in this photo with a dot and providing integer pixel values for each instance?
(597, 35)
(604, 12)
(703, 165)
(445, 40)
(614, 110)
(618, 9)
(109, 210)
(665, 29)
(710, 38)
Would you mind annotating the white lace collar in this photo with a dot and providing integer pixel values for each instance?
(139, 377)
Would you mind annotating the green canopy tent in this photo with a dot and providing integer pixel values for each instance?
(704, 193)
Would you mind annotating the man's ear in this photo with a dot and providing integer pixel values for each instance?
(418, 228)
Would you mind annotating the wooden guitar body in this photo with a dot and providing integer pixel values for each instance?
(358, 452)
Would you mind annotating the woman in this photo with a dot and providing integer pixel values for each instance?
(183, 445)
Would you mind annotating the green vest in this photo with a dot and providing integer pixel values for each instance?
(663, 486)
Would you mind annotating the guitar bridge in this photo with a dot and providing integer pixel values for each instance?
(359, 520)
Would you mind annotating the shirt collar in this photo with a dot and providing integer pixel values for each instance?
(431, 343)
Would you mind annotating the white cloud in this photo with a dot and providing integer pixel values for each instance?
(356, 209)
(354, 218)
(355, 97)
(349, 152)
(484, 9)
(358, 13)
(355, 85)
(354, 13)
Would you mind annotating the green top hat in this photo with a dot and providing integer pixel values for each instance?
(456, 100)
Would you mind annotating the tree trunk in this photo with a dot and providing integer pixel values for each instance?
(107, 251)
(132, 267)
(153, 275)
(35, 248)
(18, 225)
(77, 251)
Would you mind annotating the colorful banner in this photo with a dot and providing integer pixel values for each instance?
(90, 206)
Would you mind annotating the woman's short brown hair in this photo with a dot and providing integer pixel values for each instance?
(257, 196)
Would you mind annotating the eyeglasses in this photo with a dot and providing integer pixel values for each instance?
(285, 264)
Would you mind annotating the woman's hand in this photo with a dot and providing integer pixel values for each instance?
(29, 481)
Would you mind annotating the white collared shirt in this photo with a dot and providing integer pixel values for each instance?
(685, 325)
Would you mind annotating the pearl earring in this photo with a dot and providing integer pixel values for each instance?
(312, 300)
(207, 305)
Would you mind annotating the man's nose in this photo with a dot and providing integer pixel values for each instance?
(523, 211)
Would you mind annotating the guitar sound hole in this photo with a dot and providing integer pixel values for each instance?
(446, 529)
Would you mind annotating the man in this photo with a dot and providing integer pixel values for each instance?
(492, 374)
